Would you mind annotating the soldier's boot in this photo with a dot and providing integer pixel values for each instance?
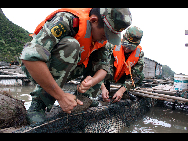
(36, 112)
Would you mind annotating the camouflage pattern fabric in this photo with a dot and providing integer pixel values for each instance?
(116, 20)
(63, 60)
(99, 59)
(125, 80)
(132, 37)
(137, 74)
(39, 49)
(55, 46)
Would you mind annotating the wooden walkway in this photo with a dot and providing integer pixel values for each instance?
(161, 92)
(13, 72)
(158, 96)
(12, 77)
(9, 76)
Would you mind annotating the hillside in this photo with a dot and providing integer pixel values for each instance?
(167, 72)
(12, 39)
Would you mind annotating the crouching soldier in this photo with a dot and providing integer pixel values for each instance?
(62, 42)
(126, 64)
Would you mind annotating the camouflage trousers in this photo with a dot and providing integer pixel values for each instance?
(63, 67)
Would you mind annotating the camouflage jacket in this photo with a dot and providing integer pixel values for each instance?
(39, 49)
(136, 71)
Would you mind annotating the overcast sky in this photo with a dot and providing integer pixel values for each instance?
(164, 31)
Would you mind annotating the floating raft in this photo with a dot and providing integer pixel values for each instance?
(101, 119)
(158, 96)
(161, 92)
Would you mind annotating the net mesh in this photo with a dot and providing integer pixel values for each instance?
(101, 119)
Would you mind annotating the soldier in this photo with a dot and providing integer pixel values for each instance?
(126, 64)
(62, 43)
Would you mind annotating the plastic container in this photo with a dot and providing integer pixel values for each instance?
(180, 82)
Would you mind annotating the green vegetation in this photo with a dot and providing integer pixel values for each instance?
(167, 72)
(12, 39)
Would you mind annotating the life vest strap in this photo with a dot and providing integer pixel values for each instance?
(129, 66)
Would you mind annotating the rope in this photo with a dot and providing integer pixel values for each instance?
(129, 66)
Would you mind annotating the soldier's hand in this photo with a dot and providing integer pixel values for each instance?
(85, 85)
(105, 95)
(68, 101)
(117, 96)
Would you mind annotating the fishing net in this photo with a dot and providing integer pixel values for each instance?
(101, 119)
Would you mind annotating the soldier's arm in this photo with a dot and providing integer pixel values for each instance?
(37, 52)
(89, 81)
(101, 58)
(100, 65)
(44, 77)
(47, 82)
(39, 49)
(136, 75)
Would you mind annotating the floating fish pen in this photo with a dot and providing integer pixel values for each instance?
(101, 119)
(107, 117)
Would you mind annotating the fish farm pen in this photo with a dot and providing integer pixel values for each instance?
(101, 119)
(107, 117)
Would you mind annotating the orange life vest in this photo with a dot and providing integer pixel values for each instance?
(86, 45)
(120, 64)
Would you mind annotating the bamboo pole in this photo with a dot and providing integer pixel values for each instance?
(162, 95)
(154, 97)
(165, 92)
(115, 86)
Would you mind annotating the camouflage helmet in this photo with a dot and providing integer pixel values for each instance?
(115, 21)
(132, 37)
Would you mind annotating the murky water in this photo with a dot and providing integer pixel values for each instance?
(160, 120)
(157, 120)
(21, 93)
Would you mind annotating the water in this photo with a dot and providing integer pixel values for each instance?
(157, 120)
(21, 93)
(160, 120)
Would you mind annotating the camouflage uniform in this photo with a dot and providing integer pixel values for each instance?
(136, 71)
(60, 59)
(99, 59)
(61, 52)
